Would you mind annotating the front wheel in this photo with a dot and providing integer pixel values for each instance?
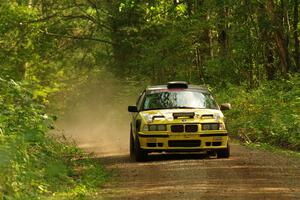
(131, 147)
(140, 155)
(224, 153)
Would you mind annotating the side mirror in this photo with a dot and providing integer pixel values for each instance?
(225, 106)
(132, 109)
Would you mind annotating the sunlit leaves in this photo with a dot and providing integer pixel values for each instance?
(269, 114)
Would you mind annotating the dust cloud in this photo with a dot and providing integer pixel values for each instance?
(97, 119)
(98, 134)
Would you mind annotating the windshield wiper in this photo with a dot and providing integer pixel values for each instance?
(175, 107)
(155, 109)
(182, 107)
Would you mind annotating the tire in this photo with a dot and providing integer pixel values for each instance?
(224, 153)
(139, 154)
(131, 147)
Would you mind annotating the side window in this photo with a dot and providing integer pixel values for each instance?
(140, 100)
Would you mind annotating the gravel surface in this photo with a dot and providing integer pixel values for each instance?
(247, 174)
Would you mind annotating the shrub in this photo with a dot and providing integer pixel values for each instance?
(269, 114)
(33, 164)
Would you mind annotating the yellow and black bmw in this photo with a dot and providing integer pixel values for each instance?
(177, 117)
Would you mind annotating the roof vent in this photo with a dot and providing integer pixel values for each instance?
(177, 84)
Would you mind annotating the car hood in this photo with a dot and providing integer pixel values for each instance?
(166, 116)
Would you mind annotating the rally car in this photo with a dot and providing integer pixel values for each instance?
(177, 117)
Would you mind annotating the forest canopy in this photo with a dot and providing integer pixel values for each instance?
(211, 42)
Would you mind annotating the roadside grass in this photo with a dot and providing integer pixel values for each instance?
(58, 170)
(274, 149)
(35, 164)
(266, 147)
(84, 175)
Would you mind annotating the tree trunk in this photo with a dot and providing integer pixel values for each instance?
(270, 68)
(282, 53)
(287, 32)
(279, 38)
(189, 5)
(296, 39)
(210, 39)
(199, 65)
(223, 37)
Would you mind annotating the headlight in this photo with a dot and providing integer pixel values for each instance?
(146, 128)
(161, 127)
(152, 127)
(213, 126)
(222, 127)
(155, 127)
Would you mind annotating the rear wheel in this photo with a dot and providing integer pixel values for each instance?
(224, 153)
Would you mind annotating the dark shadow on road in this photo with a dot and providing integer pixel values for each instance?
(175, 156)
(153, 158)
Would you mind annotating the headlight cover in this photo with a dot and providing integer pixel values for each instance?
(213, 126)
(155, 127)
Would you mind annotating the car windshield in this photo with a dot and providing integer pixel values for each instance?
(178, 99)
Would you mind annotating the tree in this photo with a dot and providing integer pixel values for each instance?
(296, 38)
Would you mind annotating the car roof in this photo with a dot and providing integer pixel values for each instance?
(190, 87)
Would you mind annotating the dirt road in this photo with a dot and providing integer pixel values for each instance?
(248, 174)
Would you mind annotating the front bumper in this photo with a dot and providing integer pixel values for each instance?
(183, 142)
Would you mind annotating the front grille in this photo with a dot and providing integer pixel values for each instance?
(214, 134)
(217, 143)
(159, 144)
(184, 143)
(151, 144)
(191, 128)
(184, 128)
(177, 128)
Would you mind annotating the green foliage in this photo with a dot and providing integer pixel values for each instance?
(269, 114)
(32, 164)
